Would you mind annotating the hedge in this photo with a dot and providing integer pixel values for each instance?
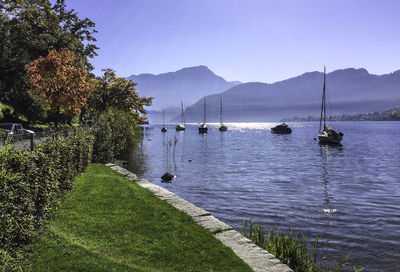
(30, 181)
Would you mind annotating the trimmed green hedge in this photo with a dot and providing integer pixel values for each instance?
(30, 181)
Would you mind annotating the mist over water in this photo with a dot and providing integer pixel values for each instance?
(348, 195)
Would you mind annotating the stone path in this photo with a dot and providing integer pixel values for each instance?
(257, 258)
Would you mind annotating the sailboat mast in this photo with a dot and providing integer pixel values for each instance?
(182, 114)
(204, 113)
(220, 112)
(324, 97)
(163, 116)
(323, 105)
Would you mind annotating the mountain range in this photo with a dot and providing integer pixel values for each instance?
(187, 85)
(349, 91)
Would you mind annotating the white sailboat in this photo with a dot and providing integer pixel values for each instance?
(181, 126)
(222, 127)
(327, 135)
(203, 127)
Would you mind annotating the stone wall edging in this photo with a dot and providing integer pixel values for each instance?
(257, 258)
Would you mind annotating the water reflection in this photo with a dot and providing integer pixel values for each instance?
(169, 153)
(138, 160)
(327, 207)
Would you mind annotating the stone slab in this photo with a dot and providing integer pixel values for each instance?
(211, 223)
(129, 175)
(187, 207)
(258, 259)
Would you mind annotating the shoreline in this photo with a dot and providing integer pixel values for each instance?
(257, 258)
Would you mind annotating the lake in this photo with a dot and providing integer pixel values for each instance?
(348, 195)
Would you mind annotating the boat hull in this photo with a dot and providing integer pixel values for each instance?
(164, 129)
(281, 129)
(203, 128)
(223, 128)
(180, 127)
(325, 138)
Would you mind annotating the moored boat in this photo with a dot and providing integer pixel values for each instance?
(281, 129)
(222, 127)
(181, 126)
(327, 135)
(163, 129)
(203, 127)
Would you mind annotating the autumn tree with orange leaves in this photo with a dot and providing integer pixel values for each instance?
(56, 81)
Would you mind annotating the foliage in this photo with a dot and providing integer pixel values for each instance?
(28, 30)
(115, 92)
(1, 111)
(3, 132)
(116, 109)
(58, 83)
(115, 135)
(290, 248)
(30, 181)
(9, 263)
(135, 232)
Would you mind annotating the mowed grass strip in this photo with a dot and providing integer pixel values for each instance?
(108, 223)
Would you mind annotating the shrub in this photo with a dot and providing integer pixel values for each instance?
(30, 181)
(3, 132)
(115, 135)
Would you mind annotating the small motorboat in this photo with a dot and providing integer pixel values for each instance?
(281, 129)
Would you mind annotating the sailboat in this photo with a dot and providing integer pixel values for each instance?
(203, 127)
(181, 126)
(164, 129)
(222, 126)
(327, 135)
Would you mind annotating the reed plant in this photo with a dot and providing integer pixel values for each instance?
(291, 248)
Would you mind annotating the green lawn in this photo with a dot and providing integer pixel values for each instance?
(108, 223)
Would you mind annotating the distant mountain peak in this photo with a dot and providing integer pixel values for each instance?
(187, 85)
(351, 72)
(195, 69)
(201, 69)
(198, 67)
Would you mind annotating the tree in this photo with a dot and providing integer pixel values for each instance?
(28, 30)
(119, 93)
(58, 83)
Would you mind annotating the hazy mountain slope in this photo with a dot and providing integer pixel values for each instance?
(187, 85)
(349, 91)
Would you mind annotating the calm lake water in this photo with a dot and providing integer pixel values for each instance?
(348, 195)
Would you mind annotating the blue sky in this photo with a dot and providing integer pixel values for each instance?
(246, 40)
